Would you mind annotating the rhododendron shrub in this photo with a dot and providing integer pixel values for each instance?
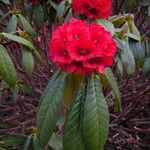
(83, 49)
(79, 47)
(92, 9)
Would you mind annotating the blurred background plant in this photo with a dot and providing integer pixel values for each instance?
(25, 30)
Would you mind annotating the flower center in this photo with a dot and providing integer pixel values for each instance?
(77, 63)
(65, 53)
(93, 11)
(96, 60)
(83, 52)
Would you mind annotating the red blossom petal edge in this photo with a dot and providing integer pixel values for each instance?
(79, 47)
(93, 9)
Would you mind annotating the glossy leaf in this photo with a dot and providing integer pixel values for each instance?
(38, 16)
(48, 111)
(55, 143)
(15, 94)
(26, 144)
(73, 124)
(12, 24)
(27, 60)
(96, 116)
(7, 68)
(146, 67)
(18, 39)
(5, 1)
(137, 50)
(61, 10)
(113, 83)
(69, 91)
(26, 25)
(36, 145)
(127, 58)
(135, 31)
(107, 25)
(13, 141)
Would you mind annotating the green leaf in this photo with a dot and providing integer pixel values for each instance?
(137, 50)
(38, 16)
(26, 144)
(51, 100)
(61, 10)
(69, 16)
(136, 34)
(36, 145)
(107, 25)
(12, 24)
(127, 58)
(18, 39)
(69, 91)
(73, 124)
(26, 25)
(55, 143)
(27, 60)
(7, 68)
(13, 141)
(119, 68)
(113, 83)
(39, 56)
(96, 116)
(146, 67)
(5, 1)
(15, 94)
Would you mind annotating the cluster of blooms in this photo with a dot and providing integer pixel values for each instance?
(79, 47)
(93, 9)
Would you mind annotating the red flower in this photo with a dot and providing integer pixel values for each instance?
(78, 47)
(93, 9)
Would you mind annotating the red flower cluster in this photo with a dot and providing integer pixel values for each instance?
(79, 47)
(93, 9)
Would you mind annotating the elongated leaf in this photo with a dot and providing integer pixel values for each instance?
(38, 16)
(107, 25)
(113, 83)
(137, 50)
(119, 68)
(18, 39)
(15, 94)
(39, 56)
(135, 31)
(61, 10)
(127, 58)
(26, 144)
(73, 123)
(26, 25)
(146, 67)
(36, 145)
(12, 24)
(27, 60)
(55, 143)
(13, 141)
(69, 91)
(7, 68)
(49, 108)
(5, 1)
(96, 116)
